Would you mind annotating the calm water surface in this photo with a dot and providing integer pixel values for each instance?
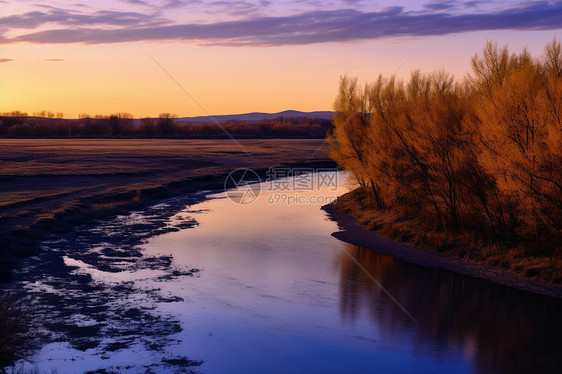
(277, 294)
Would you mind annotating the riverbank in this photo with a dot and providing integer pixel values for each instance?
(383, 239)
(52, 185)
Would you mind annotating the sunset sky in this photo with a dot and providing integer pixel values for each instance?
(239, 56)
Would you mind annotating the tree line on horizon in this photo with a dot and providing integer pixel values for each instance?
(47, 124)
(483, 154)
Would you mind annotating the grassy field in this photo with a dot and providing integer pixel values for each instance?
(53, 184)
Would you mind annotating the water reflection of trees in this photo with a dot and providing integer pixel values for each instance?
(505, 330)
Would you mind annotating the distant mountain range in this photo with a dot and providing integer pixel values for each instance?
(255, 117)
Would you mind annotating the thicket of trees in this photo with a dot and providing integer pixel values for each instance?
(47, 124)
(483, 154)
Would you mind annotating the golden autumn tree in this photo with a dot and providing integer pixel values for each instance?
(348, 140)
(518, 115)
(484, 153)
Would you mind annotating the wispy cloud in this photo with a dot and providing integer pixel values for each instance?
(170, 4)
(236, 8)
(6, 59)
(303, 28)
(473, 4)
(135, 2)
(441, 4)
(62, 17)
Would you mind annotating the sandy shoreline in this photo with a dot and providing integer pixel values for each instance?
(352, 232)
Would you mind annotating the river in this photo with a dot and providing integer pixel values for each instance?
(203, 283)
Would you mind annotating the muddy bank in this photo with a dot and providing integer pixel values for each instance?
(52, 185)
(95, 289)
(352, 232)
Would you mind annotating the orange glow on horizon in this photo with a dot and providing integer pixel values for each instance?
(113, 78)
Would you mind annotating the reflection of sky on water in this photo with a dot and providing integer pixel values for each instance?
(276, 293)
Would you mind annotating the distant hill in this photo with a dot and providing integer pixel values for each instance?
(255, 117)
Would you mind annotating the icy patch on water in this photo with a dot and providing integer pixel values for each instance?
(42, 287)
(106, 277)
(54, 356)
(95, 295)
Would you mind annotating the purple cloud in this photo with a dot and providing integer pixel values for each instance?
(303, 28)
(473, 4)
(170, 4)
(135, 2)
(235, 8)
(6, 59)
(440, 4)
(35, 19)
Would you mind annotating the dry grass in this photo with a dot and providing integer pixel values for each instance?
(473, 246)
(12, 328)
